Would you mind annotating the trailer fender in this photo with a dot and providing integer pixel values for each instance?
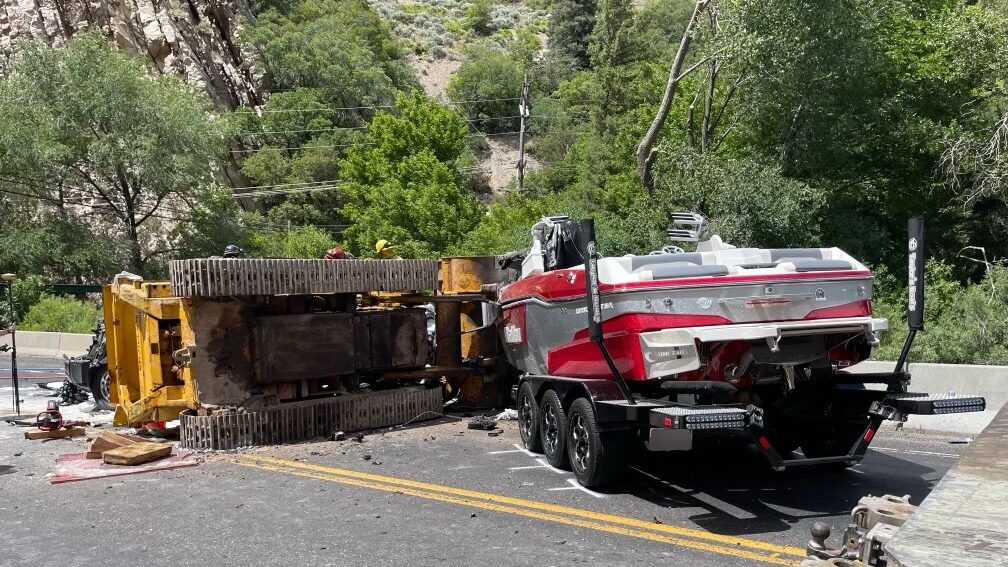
(594, 390)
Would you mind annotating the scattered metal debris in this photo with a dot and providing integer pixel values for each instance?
(483, 422)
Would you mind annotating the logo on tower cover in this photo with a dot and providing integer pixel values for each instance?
(912, 244)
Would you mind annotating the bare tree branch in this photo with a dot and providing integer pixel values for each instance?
(645, 150)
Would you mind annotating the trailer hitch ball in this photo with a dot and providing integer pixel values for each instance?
(817, 546)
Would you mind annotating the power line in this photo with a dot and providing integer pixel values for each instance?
(333, 129)
(303, 146)
(104, 207)
(294, 190)
(291, 184)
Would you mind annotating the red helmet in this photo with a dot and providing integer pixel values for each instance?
(335, 253)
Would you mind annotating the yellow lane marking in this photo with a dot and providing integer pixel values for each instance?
(535, 504)
(772, 558)
(737, 542)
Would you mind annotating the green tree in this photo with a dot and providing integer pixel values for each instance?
(59, 249)
(329, 63)
(86, 125)
(487, 86)
(404, 186)
(613, 46)
(339, 46)
(571, 24)
(27, 291)
(477, 16)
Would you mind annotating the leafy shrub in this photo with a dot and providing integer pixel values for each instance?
(60, 314)
(749, 204)
(478, 15)
(301, 242)
(506, 226)
(487, 86)
(524, 47)
(963, 324)
(503, 16)
(27, 292)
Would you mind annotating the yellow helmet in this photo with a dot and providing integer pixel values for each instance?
(384, 249)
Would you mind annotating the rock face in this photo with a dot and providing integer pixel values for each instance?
(193, 39)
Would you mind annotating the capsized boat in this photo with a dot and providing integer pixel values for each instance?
(742, 315)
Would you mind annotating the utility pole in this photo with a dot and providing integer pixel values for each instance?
(523, 114)
(9, 278)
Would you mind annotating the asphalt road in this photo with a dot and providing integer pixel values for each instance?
(439, 494)
(31, 369)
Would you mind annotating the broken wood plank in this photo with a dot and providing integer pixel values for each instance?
(110, 440)
(137, 453)
(54, 434)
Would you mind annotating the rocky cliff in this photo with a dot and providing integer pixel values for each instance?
(193, 39)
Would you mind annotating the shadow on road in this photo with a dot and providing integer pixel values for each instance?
(740, 494)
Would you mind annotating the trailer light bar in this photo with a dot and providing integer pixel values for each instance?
(933, 404)
(715, 422)
(703, 417)
(959, 406)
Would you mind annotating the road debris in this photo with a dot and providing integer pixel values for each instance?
(339, 436)
(74, 466)
(108, 440)
(483, 422)
(136, 453)
(54, 433)
(509, 414)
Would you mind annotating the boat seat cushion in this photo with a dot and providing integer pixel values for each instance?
(637, 262)
(788, 254)
(686, 271)
(802, 265)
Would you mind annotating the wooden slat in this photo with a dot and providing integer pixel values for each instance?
(55, 434)
(137, 453)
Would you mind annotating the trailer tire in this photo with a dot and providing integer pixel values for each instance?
(528, 418)
(553, 430)
(595, 458)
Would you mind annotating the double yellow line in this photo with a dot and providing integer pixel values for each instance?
(661, 533)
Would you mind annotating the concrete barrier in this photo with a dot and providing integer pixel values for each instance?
(35, 343)
(988, 381)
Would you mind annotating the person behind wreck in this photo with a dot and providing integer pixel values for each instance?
(337, 253)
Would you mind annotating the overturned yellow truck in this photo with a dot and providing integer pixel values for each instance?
(255, 351)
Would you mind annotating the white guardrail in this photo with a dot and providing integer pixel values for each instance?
(35, 343)
(988, 381)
